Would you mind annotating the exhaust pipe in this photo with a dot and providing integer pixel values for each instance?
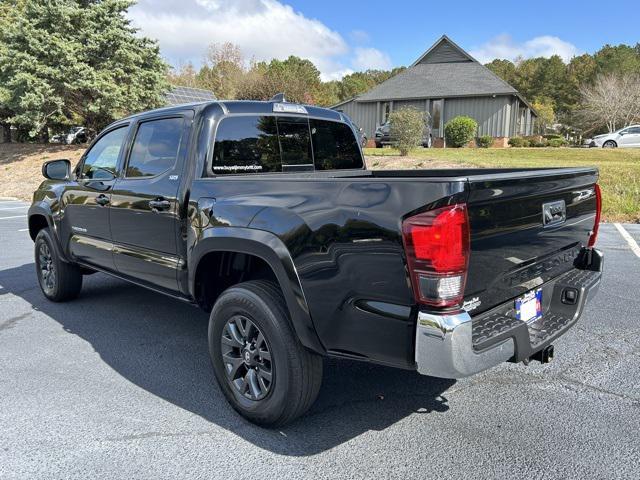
(543, 356)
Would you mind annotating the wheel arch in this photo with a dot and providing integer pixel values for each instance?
(272, 251)
(39, 217)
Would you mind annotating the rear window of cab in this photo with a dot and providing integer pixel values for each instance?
(271, 144)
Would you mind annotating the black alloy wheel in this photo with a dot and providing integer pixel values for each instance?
(58, 280)
(46, 269)
(247, 358)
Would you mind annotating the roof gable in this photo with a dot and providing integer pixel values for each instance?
(445, 70)
(444, 51)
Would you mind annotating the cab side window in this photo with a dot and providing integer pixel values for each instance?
(155, 147)
(101, 161)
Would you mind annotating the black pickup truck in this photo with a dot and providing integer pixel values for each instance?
(263, 214)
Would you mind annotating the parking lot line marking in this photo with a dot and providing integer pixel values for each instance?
(16, 216)
(632, 243)
(12, 208)
(23, 230)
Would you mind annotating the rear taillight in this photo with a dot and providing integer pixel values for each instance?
(593, 236)
(437, 247)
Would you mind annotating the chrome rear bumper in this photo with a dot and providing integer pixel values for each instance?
(452, 345)
(444, 347)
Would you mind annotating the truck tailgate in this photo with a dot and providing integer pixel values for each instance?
(513, 247)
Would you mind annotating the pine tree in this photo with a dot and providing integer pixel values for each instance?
(76, 60)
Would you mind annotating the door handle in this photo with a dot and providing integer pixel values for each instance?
(102, 199)
(159, 204)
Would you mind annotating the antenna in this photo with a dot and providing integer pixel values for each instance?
(278, 97)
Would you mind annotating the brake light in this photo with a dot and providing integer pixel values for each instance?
(437, 247)
(593, 236)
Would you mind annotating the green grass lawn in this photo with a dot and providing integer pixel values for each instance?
(619, 169)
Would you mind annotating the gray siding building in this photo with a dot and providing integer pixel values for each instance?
(446, 82)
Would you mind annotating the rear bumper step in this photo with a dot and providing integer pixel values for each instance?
(455, 345)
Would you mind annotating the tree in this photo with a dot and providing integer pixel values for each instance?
(297, 78)
(505, 69)
(226, 72)
(546, 116)
(619, 59)
(184, 75)
(359, 82)
(77, 59)
(223, 70)
(613, 100)
(406, 127)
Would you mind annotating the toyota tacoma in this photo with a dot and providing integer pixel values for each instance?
(264, 215)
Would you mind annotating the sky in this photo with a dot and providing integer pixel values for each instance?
(341, 37)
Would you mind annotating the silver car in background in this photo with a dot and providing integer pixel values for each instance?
(627, 137)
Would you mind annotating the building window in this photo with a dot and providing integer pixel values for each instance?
(436, 116)
(386, 110)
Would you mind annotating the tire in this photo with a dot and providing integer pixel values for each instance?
(378, 145)
(609, 144)
(295, 372)
(59, 281)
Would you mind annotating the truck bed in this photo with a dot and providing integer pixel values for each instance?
(343, 230)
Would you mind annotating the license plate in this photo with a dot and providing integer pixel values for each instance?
(529, 306)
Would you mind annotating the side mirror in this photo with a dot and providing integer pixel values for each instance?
(57, 169)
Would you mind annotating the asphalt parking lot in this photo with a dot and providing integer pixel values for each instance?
(117, 384)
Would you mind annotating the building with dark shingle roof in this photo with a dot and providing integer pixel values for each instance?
(180, 95)
(446, 82)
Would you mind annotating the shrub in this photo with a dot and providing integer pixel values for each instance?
(540, 143)
(516, 141)
(459, 131)
(485, 141)
(406, 125)
(551, 136)
(526, 143)
(557, 142)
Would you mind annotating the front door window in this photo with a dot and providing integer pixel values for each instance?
(101, 161)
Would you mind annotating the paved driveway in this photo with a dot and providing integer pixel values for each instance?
(118, 385)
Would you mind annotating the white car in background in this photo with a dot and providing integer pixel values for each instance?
(626, 137)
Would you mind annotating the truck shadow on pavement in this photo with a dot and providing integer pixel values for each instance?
(160, 344)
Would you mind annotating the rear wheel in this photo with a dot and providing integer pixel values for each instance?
(264, 372)
(609, 144)
(59, 281)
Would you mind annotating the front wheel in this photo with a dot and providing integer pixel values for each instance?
(262, 368)
(609, 144)
(59, 281)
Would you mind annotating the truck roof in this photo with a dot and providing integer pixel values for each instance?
(245, 107)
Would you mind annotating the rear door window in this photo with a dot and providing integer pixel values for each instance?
(334, 146)
(155, 147)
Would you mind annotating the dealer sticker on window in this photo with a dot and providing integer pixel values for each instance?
(529, 306)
